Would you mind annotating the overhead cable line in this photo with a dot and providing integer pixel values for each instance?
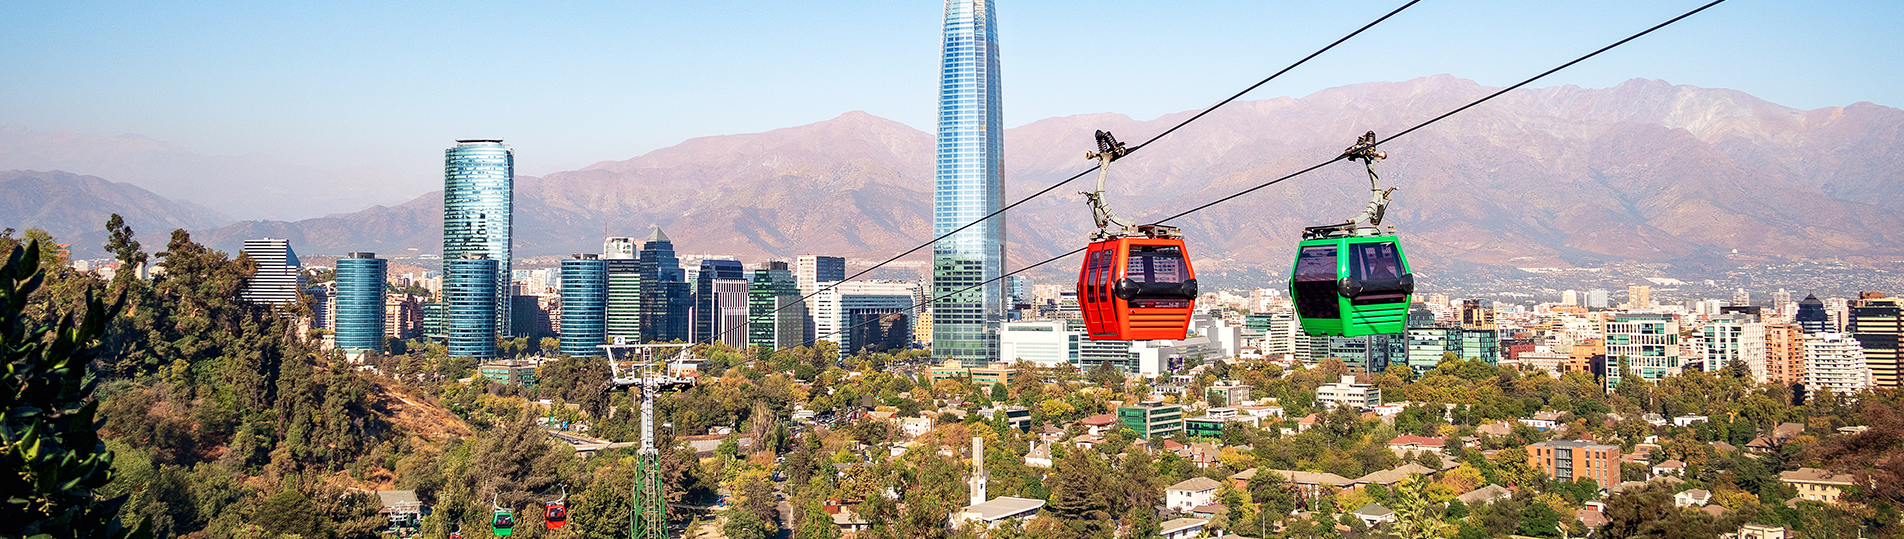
(1082, 173)
(1317, 166)
(1470, 105)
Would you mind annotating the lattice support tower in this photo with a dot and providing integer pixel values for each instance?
(648, 373)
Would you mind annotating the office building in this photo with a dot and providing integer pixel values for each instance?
(515, 372)
(776, 316)
(436, 321)
(1152, 419)
(1648, 344)
(1569, 297)
(1570, 460)
(1780, 299)
(469, 287)
(1369, 353)
(1736, 337)
(1596, 299)
(1837, 362)
(835, 309)
(1348, 393)
(1812, 316)
(584, 305)
(811, 270)
(707, 311)
(730, 304)
(1477, 314)
(1741, 297)
(1044, 342)
(619, 248)
(623, 307)
(360, 302)
(968, 185)
(277, 279)
(1878, 326)
(478, 213)
(666, 296)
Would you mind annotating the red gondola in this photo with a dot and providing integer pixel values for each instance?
(1133, 287)
(555, 514)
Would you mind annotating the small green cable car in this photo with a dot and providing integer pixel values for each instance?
(1351, 280)
(503, 522)
(1351, 285)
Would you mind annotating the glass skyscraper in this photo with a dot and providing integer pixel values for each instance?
(469, 287)
(707, 309)
(584, 305)
(359, 314)
(969, 183)
(666, 298)
(777, 317)
(478, 209)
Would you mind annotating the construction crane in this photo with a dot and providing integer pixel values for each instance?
(651, 370)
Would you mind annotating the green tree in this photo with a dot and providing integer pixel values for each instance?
(1416, 517)
(1077, 494)
(125, 249)
(53, 455)
(1000, 393)
(817, 524)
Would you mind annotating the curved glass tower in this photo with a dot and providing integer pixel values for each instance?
(969, 183)
(359, 314)
(478, 209)
(584, 305)
(469, 287)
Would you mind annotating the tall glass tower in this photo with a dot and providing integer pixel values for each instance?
(584, 305)
(969, 184)
(359, 315)
(666, 296)
(469, 287)
(478, 209)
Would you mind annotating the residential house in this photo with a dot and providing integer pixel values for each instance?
(1315, 484)
(1412, 443)
(1670, 467)
(1692, 498)
(1000, 509)
(1039, 456)
(1485, 495)
(1391, 477)
(1190, 493)
(1761, 531)
(1688, 420)
(1817, 485)
(1374, 513)
(1542, 420)
(1100, 424)
(1182, 528)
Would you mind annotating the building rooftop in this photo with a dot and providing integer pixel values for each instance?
(1815, 475)
(1196, 484)
(391, 498)
(1374, 510)
(1484, 494)
(1576, 444)
(1180, 524)
(1004, 507)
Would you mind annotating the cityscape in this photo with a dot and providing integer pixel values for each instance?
(1657, 360)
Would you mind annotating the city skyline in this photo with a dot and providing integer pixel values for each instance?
(1171, 59)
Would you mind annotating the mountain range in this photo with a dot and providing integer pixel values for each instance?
(1550, 177)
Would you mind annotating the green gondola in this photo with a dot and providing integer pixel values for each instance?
(1351, 284)
(503, 521)
(1351, 280)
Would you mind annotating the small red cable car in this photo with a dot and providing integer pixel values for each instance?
(1137, 288)
(555, 514)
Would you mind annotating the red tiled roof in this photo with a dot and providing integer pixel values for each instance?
(1410, 439)
(1099, 420)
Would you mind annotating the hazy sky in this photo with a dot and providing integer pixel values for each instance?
(387, 85)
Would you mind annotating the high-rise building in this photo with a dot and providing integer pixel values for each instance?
(360, 302)
(1647, 343)
(809, 270)
(1741, 297)
(1477, 314)
(835, 308)
(968, 185)
(402, 316)
(1735, 337)
(1639, 297)
(1569, 297)
(728, 308)
(277, 279)
(478, 213)
(1812, 317)
(623, 313)
(619, 248)
(584, 305)
(707, 312)
(1596, 299)
(1878, 325)
(1784, 354)
(1837, 362)
(776, 316)
(666, 297)
(1572, 460)
(469, 287)
(1780, 299)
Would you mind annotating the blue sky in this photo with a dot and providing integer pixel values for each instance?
(388, 85)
